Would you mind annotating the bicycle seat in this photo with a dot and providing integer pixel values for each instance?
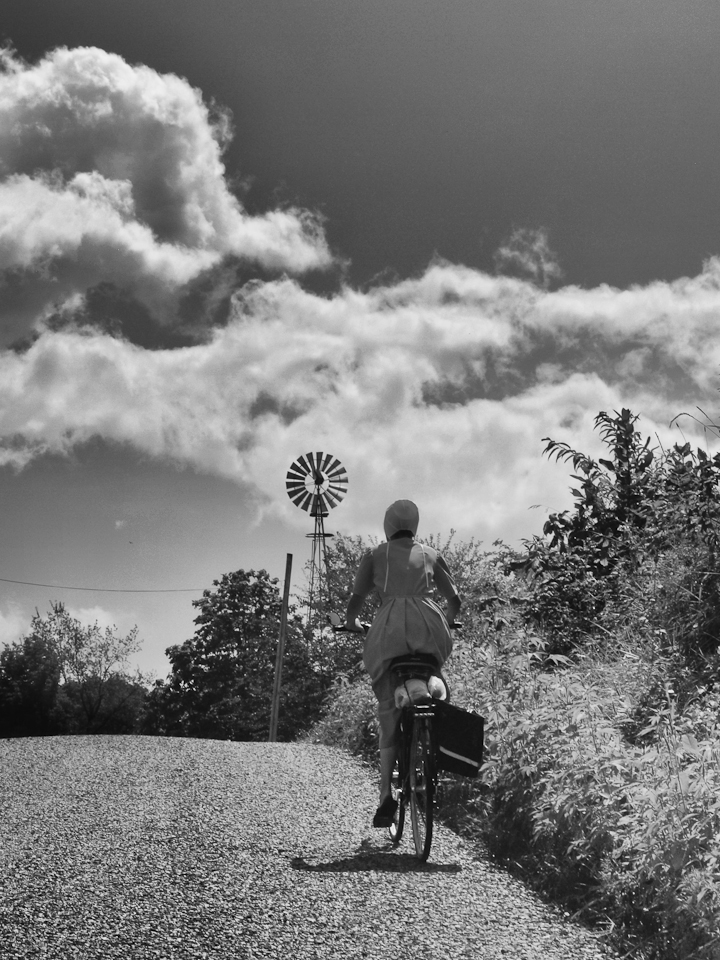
(413, 666)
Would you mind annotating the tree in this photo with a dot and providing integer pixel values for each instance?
(613, 494)
(338, 654)
(645, 527)
(67, 678)
(97, 691)
(221, 681)
(114, 706)
(29, 680)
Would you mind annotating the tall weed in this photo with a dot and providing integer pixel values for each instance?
(350, 720)
(626, 834)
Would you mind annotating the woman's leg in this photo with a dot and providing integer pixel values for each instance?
(389, 717)
(388, 756)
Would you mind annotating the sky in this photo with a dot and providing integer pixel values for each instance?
(421, 237)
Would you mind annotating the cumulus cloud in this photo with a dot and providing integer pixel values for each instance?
(439, 388)
(113, 173)
(14, 625)
(526, 253)
(88, 616)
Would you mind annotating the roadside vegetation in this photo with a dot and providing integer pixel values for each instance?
(66, 678)
(592, 651)
(593, 655)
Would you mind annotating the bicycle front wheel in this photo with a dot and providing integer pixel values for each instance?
(422, 786)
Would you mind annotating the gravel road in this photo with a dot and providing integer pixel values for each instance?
(145, 847)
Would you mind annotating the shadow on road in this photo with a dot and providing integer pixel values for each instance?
(370, 857)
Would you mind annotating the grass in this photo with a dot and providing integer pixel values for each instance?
(600, 787)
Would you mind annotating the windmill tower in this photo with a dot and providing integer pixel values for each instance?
(317, 482)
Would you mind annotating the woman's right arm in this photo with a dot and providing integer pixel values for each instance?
(362, 586)
(354, 607)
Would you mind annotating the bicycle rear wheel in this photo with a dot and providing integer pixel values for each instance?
(396, 827)
(422, 786)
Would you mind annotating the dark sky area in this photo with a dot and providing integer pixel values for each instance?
(420, 128)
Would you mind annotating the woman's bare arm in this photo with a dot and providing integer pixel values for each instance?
(354, 607)
(453, 608)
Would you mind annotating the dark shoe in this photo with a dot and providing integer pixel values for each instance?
(385, 813)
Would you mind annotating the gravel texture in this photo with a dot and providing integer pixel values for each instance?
(146, 847)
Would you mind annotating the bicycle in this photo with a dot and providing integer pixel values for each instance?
(414, 783)
(415, 777)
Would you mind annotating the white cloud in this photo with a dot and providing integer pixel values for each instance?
(14, 625)
(88, 616)
(112, 172)
(526, 253)
(439, 388)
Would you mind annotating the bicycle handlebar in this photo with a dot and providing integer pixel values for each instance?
(343, 628)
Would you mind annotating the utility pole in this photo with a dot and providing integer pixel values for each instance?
(275, 708)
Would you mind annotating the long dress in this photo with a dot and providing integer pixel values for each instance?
(404, 572)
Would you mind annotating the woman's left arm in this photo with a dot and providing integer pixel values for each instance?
(453, 608)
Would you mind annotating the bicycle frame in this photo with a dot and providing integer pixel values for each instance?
(416, 778)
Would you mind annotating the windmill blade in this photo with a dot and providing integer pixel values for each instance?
(295, 473)
(334, 468)
(319, 504)
(298, 497)
(318, 472)
(306, 499)
(331, 500)
(293, 486)
(295, 479)
(338, 480)
(316, 463)
(304, 465)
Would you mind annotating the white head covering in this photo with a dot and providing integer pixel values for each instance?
(401, 515)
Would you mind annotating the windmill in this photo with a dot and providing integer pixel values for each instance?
(317, 482)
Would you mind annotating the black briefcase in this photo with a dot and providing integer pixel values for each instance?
(458, 739)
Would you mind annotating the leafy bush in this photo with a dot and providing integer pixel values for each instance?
(645, 523)
(598, 672)
(29, 681)
(350, 720)
(613, 829)
(67, 678)
(601, 782)
(221, 682)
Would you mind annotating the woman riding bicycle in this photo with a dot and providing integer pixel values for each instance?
(404, 572)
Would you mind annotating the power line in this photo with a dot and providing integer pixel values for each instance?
(55, 586)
